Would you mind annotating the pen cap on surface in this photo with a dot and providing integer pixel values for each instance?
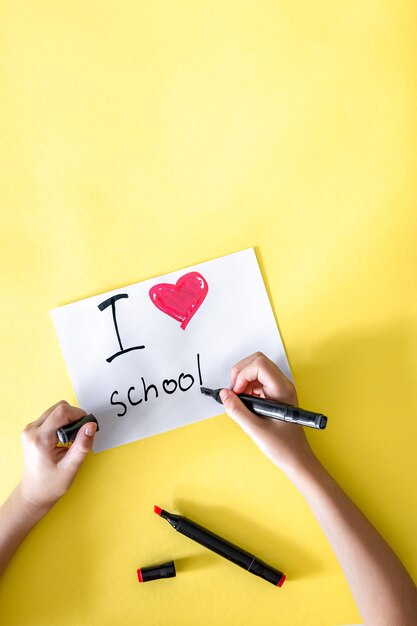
(155, 572)
(67, 433)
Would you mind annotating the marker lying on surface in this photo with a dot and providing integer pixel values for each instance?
(222, 547)
(276, 410)
(66, 434)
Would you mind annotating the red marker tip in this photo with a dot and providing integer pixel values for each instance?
(157, 510)
(282, 580)
(140, 578)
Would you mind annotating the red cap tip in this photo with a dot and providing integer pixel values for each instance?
(157, 510)
(281, 580)
(140, 578)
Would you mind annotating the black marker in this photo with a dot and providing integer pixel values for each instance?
(222, 547)
(276, 410)
(67, 433)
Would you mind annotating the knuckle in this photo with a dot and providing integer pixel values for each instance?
(62, 409)
(261, 359)
(36, 440)
(292, 390)
(25, 437)
(231, 409)
(30, 440)
(232, 405)
(26, 430)
(83, 450)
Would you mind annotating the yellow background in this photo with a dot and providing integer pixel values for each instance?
(142, 137)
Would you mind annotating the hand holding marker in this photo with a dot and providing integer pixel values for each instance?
(277, 410)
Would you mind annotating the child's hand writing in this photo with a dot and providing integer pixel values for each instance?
(49, 470)
(356, 543)
(285, 444)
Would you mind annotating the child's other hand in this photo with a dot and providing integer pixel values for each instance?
(49, 470)
(285, 444)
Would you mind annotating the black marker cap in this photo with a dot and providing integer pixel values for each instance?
(155, 572)
(67, 433)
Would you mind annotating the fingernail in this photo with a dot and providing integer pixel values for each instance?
(224, 394)
(90, 429)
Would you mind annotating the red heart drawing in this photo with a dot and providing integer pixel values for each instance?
(182, 300)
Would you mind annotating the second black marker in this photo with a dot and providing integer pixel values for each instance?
(66, 434)
(222, 547)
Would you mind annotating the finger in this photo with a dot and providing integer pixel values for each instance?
(258, 369)
(258, 390)
(80, 448)
(235, 408)
(254, 389)
(60, 416)
(38, 422)
(240, 365)
(266, 373)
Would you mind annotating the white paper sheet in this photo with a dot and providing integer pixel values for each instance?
(215, 318)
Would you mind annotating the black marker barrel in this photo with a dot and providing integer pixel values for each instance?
(284, 412)
(67, 433)
(277, 410)
(222, 547)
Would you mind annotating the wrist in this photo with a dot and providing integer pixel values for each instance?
(302, 468)
(32, 510)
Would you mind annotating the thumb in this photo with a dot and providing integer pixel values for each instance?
(235, 408)
(80, 448)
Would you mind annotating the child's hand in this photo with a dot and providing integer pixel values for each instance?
(285, 444)
(49, 470)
